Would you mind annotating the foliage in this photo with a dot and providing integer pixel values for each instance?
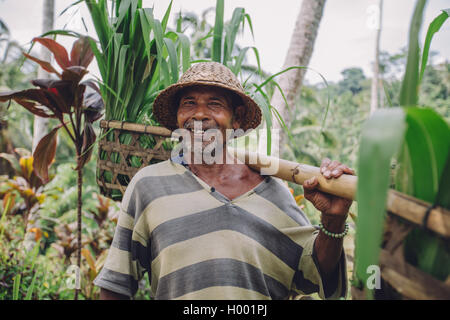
(137, 57)
(420, 140)
(14, 73)
(25, 184)
(60, 99)
(48, 263)
(353, 78)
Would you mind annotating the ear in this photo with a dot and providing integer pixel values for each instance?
(238, 117)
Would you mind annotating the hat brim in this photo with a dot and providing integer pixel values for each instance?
(165, 108)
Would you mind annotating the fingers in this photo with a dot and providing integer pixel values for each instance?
(320, 201)
(330, 170)
(348, 170)
(309, 188)
(324, 165)
(310, 184)
(334, 169)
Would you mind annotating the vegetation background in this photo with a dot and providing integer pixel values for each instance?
(42, 272)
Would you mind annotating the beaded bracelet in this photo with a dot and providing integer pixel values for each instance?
(334, 235)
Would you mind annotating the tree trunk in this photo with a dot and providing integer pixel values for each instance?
(40, 127)
(299, 53)
(375, 94)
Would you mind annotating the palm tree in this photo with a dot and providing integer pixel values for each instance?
(299, 53)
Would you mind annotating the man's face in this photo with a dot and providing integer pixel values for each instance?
(206, 106)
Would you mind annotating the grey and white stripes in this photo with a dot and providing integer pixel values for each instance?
(197, 244)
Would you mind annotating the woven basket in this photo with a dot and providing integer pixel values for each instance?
(124, 149)
(400, 279)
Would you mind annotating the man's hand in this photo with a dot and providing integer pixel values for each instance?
(329, 205)
(334, 213)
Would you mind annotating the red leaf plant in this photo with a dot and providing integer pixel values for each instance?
(67, 100)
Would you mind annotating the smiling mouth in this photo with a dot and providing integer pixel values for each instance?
(196, 131)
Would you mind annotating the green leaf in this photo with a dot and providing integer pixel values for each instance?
(69, 33)
(264, 103)
(434, 27)
(240, 58)
(185, 50)
(100, 20)
(283, 124)
(123, 67)
(410, 83)
(145, 31)
(16, 286)
(443, 195)
(166, 17)
(124, 5)
(30, 290)
(231, 32)
(99, 57)
(173, 59)
(218, 32)
(428, 253)
(381, 138)
(250, 24)
(428, 141)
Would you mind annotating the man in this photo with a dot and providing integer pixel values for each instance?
(219, 230)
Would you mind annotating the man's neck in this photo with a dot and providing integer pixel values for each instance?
(231, 179)
(217, 168)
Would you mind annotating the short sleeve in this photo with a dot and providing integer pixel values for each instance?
(308, 280)
(127, 258)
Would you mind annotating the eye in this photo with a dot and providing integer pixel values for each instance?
(188, 102)
(215, 103)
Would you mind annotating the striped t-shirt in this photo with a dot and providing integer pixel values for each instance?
(195, 243)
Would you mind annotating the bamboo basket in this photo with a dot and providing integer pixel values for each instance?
(124, 149)
(399, 279)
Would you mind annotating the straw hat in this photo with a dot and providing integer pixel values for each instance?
(209, 74)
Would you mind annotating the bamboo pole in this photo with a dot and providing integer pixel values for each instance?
(135, 127)
(399, 204)
(344, 186)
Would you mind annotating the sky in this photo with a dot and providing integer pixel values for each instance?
(344, 40)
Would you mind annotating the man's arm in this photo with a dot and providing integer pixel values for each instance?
(328, 250)
(110, 295)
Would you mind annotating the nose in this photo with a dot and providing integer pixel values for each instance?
(201, 112)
